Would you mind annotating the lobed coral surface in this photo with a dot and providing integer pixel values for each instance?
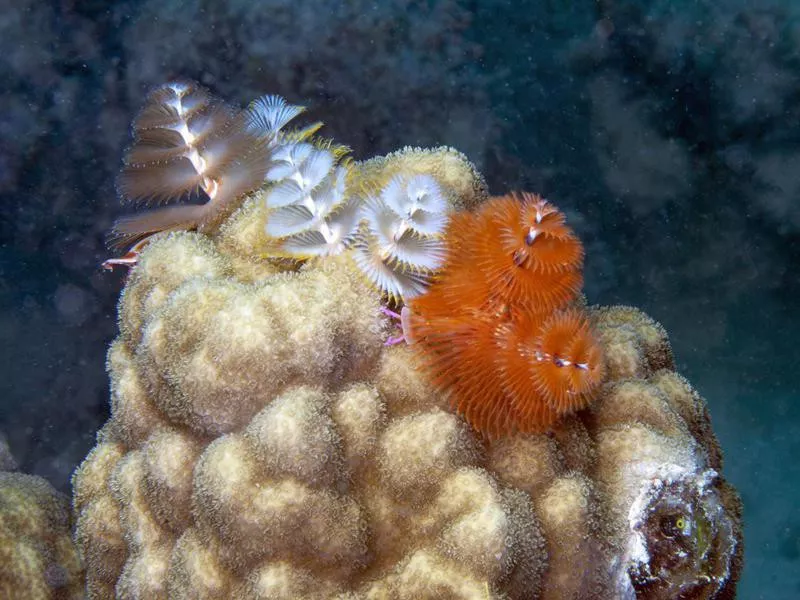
(38, 560)
(263, 443)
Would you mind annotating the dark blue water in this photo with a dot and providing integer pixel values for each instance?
(668, 130)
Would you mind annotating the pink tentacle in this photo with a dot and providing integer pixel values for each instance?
(390, 313)
(394, 340)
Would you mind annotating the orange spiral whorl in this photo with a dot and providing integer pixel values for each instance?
(570, 364)
(526, 251)
(496, 328)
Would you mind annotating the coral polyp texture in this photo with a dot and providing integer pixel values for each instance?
(265, 443)
(38, 560)
(499, 329)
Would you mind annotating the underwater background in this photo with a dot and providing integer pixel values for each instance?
(668, 130)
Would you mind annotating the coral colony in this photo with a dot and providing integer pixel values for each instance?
(266, 442)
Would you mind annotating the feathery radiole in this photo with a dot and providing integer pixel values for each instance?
(189, 144)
